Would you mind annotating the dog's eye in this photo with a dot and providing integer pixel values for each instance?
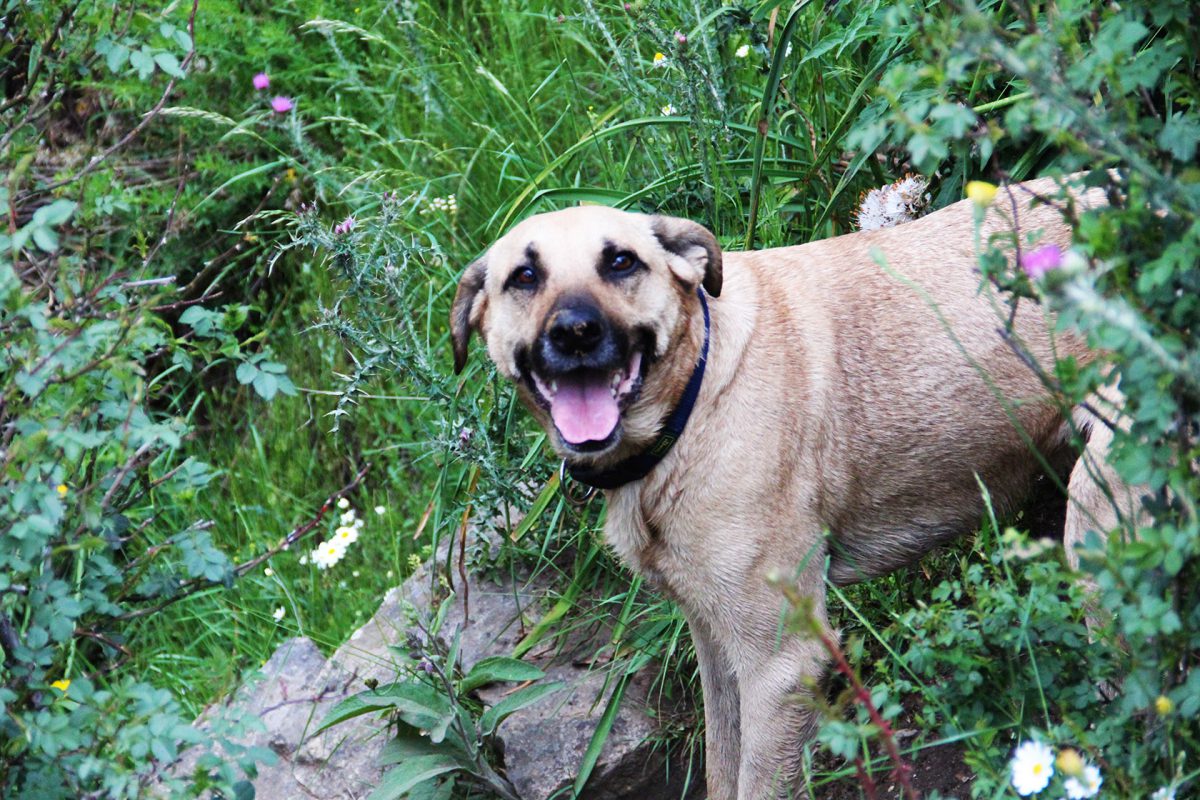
(524, 277)
(623, 262)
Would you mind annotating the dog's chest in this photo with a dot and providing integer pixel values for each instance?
(667, 552)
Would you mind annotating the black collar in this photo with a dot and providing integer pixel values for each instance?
(638, 466)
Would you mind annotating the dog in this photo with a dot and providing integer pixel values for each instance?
(823, 409)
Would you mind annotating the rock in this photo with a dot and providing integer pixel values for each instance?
(543, 744)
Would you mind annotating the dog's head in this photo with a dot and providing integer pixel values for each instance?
(583, 309)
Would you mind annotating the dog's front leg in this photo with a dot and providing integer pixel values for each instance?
(722, 713)
(775, 674)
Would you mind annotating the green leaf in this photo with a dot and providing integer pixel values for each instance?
(401, 780)
(495, 715)
(406, 746)
(1180, 136)
(600, 735)
(417, 704)
(143, 62)
(169, 64)
(55, 213)
(266, 385)
(46, 239)
(496, 669)
(246, 372)
(116, 57)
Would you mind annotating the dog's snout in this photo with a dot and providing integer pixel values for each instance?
(576, 329)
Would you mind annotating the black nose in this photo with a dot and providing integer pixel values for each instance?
(576, 329)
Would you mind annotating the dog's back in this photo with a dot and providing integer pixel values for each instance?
(915, 388)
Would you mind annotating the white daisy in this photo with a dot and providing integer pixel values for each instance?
(345, 536)
(278, 615)
(343, 503)
(328, 553)
(1084, 786)
(669, 110)
(1032, 765)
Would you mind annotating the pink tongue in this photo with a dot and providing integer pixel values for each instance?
(584, 409)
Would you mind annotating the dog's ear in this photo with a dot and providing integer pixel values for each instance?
(698, 254)
(467, 310)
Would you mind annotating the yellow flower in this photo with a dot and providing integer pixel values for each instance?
(62, 685)
(1163, 705)
(981, 193)
(660, 60)
(61, 489)
(1069, 762)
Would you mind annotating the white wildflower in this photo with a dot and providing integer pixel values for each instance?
(1032, 766)
(304, 561)
(380, 510)
(669, 110)
(268, 572)
(328, 553)
(345, 536)
(1165, 793)
(278, 615)
(349, 517)
(659, 60)
(895, 204)
(743, 51)
(343, 503)
(1087, 784)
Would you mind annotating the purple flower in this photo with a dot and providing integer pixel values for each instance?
(1046, 258)
(345, 226)
(681, 38)
(282, 105)
(261, 81)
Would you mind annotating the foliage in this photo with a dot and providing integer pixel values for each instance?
(1080, 85)
(442, 732)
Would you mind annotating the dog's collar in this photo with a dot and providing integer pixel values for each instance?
(638, 466)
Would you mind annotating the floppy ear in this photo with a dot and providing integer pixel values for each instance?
(699, 255)
(467, 310)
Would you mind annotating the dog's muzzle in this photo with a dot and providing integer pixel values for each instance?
(585, 370)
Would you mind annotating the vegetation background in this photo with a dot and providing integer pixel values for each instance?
(221, 309)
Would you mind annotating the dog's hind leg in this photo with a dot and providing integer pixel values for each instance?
(722, 714)
(1098, 499)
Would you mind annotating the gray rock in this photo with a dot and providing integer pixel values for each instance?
(543, 744)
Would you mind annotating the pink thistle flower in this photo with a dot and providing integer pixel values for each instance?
(1046, 258)
(345, 226)
(681, 38)
(282, 105)
(261, 81)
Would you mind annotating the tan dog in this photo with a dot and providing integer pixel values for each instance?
(843, 414)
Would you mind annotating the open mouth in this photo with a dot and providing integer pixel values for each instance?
(586, 404)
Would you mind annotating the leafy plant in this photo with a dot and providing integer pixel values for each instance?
(442, 733)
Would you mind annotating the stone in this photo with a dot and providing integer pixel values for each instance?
(543, 744)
